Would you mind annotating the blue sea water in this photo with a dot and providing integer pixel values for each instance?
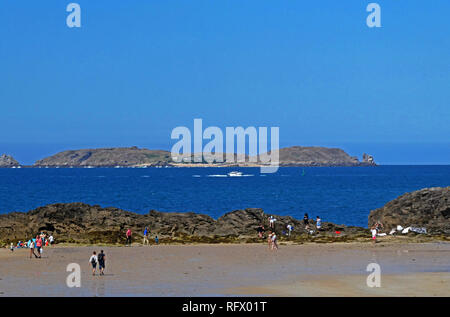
(343, 195)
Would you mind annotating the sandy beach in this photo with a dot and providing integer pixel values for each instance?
(338, 269)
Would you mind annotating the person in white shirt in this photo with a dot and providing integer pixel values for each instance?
(272, 222)
(93, 260)
(32, 246)
(290, 228)
(274, 242)
(373, 230)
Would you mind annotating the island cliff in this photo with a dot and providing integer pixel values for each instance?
(8, 161)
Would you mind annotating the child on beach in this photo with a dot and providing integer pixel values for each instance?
(374, 234)
(31, 246)
(93, 260)
(156, 240)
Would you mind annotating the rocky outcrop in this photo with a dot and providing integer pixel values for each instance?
(107, 157)
(8, 161)
(428, 208)
(368, 159)
(82, 223)
(317, 156)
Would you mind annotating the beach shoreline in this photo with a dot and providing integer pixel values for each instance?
(335, 269)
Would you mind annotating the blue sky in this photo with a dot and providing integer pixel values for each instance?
(137, 69)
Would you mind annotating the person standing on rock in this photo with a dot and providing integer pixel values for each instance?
(306, 221)
(128, 242)
(145, 236)
(318, 223)
(290, 228)
(272, 222)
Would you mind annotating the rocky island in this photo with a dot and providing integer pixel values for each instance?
(136, 157)
(106, 157)
(8, 161)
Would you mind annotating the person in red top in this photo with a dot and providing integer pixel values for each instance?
(38, 245)
(128, 237)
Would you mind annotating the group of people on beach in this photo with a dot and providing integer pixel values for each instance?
(272, 235)
(98, 259)
(375, 230)
(145, 241)
(272, 241)
(36, 245)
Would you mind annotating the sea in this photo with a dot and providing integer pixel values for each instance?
(343, 195)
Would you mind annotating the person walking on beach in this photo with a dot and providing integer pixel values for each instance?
(38, 246)
(101, 262)
(51, 239)
(156, 240)
(274, 241)
(93, 260)
(269, 240)
(128, 242)
(32, 247)
(145, 236)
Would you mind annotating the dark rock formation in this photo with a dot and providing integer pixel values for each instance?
(428, 208)
(368, 159)
(82, 223)
(8, 161)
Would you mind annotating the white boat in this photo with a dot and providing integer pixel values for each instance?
(234, 174)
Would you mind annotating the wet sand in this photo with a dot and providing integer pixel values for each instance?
(337, 269)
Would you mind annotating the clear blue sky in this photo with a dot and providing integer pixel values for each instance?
(137, 69)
